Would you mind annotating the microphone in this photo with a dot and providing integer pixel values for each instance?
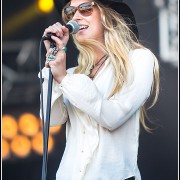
(73, 27)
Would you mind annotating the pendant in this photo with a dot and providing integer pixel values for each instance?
(88, 71)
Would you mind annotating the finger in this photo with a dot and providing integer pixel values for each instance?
(50, 51)
(65, 30)
(50, 29)
(59, 43)
(51, 57)
(58, 28)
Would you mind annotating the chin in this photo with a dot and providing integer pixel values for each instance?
(82, 37)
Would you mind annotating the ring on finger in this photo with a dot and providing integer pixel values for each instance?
(64, 48)
(51, 57)
(55, 50)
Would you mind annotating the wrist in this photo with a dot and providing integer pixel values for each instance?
(59, 80)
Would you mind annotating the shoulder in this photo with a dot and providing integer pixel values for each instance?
(71, 70)
(141, 53)
(143, 56)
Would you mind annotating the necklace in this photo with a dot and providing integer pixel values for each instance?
(97, 64)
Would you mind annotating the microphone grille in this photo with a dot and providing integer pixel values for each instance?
(75, 26)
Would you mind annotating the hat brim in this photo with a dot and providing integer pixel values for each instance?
(123, 9)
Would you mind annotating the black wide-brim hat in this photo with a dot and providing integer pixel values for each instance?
(118, 5)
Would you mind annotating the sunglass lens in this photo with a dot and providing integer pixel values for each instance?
(85, 9)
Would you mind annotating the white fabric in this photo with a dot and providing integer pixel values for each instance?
(102, 134)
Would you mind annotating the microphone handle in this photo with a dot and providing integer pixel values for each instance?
(52, 43)
(48, 36)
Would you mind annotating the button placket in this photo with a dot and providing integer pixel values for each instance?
(83, 133)
(82, 166)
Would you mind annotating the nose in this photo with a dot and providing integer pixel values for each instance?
(77, 16)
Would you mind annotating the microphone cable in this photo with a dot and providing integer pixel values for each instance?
(45, 123)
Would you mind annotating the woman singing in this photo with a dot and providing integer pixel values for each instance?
(102, 100)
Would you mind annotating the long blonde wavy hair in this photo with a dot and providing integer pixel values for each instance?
(119, 40)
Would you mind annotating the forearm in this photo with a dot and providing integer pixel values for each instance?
(111, 113)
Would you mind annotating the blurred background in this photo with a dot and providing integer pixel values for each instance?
(23, 23)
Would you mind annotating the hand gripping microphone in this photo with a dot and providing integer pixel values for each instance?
(73, 27)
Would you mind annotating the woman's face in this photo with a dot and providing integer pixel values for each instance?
(93, 28)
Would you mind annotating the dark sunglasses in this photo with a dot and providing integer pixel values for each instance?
(85, 9)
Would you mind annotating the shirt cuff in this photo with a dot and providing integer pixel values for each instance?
(66, 80)
(45, 73)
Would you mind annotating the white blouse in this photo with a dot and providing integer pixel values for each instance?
(101, 133)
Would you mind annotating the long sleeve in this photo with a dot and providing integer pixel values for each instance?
(59, 113)
(111, 113)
